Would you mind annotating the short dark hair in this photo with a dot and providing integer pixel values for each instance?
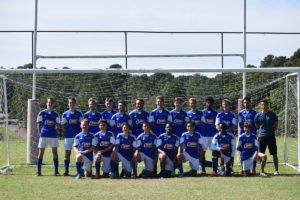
(209, 98)
(72, 98)
(266, 101)
(247, 99)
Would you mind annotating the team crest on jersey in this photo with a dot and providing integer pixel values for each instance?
(104, 143)
(94, 123)
(178, 121)
(197, 122)
(248, 146)
(148, 145)
(248, 120)
(191, 144)
(227, 122)
(126, 146)
(139, 121)
(86, 144)
(169, 146)
(73, 121)
(225, 146)
(49, 122)
(209, 121)
(161, 121)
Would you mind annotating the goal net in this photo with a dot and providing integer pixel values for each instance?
(16, 89)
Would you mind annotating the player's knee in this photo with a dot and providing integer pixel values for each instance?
(79, 158)
(216, 154)
(162, 156)
(180, 157)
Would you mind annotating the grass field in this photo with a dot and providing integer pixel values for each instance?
(22, 184)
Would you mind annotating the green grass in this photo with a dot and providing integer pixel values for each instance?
(22, 184)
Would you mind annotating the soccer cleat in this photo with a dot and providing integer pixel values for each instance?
(242, 172)
(253, 172)
(180, 175)
(276, 173)
(78, 176)
(97, 175)
(56, 174)
(213, 174)
(222, 172)
(38, 174)
(66, 174)
(262, 174)
(105, 175)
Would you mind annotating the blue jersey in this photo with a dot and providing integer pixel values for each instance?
(104, 140)
(138, 118)
(228, 118)
(159, 118)
(94, 120)
(247, 145)
(191, 143)
(197, 118)
(147, 144)
(247, 116)
(209, 120)
(117, 120)
(126, 145)
(84, 142)
(266, 122)
(48, 122)
(225, 141)
(168, 144)
(107, 114)
(71, 121)
(179, 120)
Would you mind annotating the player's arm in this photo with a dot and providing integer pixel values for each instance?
(217, 123)
(39, 123)
(233, 147)
(214, 145)
(275, 125)
(233, 125)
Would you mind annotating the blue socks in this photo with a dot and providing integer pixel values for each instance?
(215, 164)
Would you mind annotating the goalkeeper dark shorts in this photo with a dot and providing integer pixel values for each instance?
(267, 141)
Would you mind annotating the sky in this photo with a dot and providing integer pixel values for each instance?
(147, 15)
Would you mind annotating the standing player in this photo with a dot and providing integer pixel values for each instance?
(167, 144)
(147, 150)
(248, 148)
(47, 124)
(267, 122)
(93, 116)
(191, 142)
(109, 111)
(119, 118)
(159, 117)
(105, 143)
(227, 117)
(84, 145)
(179, 117)
(195, 115)
(71, 126)
(223, 146)
(138, 117)
(124, 150)
(209, 130)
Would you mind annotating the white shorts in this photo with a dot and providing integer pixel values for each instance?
(87, 163)
(206, 143)
(169, 164)
(45, 142)
(69, 144)
(247, 164)
(105, 164)
(226, 158)
(126, 164)
(194, 162)
(149, 162)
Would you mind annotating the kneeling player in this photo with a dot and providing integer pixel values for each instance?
(105, 144)
(124, 150)
(248, 148)
(147, 151)
(84, 144)
(223, 146)
(191, 142)
(167, 144)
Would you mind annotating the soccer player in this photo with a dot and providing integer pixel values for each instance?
(93, 116)
(159, 117)
(84, 145)
(109, 111)
(138, 117)
(179, 117)
(191, 143)
(105, 143)
(147, 150)
(267, 122)
(167, 144)
(124, 149)
(71, 126)
(223, 146)
(47, 125)
(119, 118)
(195, 115)
(209, 130)
(248, 148)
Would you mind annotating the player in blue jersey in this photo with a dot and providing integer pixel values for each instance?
(84, 145)
(159, 117)
(227, 117)
(195, 115)
(191, 143)
(71, 126)
(179, 117)
(93, 116)
(109, 111)
(247, 115)
(138, 117)
(248, 148)
(223, 146)
(167, 144)
(48, 122)
(105, 144)
(147, 150)
(266, 122)
(209, 130)
(119, 118)
(124, 149)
